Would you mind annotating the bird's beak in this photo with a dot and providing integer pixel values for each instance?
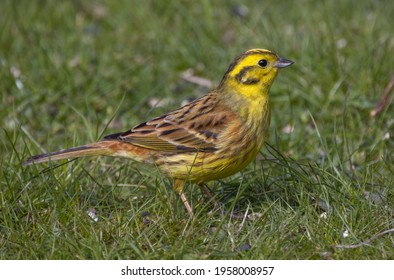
(282, 63)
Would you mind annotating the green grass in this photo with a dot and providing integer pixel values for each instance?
(71, 72)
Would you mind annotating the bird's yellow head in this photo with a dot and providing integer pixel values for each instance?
(253, 72)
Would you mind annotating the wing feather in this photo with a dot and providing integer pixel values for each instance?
(196, 126)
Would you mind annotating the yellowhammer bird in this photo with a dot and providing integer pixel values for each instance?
(210, 138)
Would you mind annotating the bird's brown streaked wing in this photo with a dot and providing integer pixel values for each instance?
(194, 127)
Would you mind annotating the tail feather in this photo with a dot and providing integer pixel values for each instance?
(81, 151)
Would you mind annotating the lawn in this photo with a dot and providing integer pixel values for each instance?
(74, 71)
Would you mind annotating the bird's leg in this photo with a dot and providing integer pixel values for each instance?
(207, 193)
(178, 186)
(186, 203)
(204, 189)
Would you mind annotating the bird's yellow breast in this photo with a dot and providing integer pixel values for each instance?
(237, 146)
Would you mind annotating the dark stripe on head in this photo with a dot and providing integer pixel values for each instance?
(240, 57)
(242, 73)
(250, 81)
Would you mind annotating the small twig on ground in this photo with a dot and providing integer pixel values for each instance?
(384, 100)
(366, 242)
(189, 76)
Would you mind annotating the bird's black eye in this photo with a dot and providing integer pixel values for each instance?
(263, 63)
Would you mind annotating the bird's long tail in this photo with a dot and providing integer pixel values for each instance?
(96, 149)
